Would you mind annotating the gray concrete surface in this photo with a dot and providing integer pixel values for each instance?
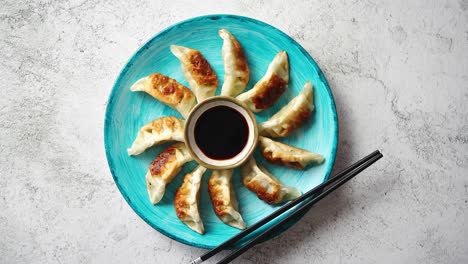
(399, 73)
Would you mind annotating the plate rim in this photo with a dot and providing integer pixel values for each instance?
(137, 54)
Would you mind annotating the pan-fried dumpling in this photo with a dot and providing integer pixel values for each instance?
(197, 71)
(158, 131)
(282, 154)
(269, 189)
(236, 69)
(186, 200)
(224, 199)
(168, 91)
(272, 85)
(164, 168)
(291, 116)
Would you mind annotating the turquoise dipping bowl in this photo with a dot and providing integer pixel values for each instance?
(128, 111)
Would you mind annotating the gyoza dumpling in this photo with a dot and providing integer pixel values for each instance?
(291, 116)
(269, 189)
(224, 199)
(164, 168)
(197, 71)
(272, 85)
(156, 132)
(186, 200)
(236, 69)
(168, 91)
(282, 154)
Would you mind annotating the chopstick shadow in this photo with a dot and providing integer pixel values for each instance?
(320, 218)
(313, 225)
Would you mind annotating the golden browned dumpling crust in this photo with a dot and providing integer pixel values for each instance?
(236, 68)
(266, 186)
(187, 198)
(291, 117)
(164, 168)
(270, 87)
(269, 92)
(201, 69)
(224, 199)
(168, 91)
(163, 129)
(285, 155)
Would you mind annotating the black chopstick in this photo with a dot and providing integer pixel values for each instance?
(302, 209)
(281, 210)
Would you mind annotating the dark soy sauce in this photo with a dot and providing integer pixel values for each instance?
(221, 132)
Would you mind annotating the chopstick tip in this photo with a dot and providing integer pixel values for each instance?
(196, 261)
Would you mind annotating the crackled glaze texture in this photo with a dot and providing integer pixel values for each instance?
(398, 72)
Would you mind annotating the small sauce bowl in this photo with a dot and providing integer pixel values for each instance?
(199, 152)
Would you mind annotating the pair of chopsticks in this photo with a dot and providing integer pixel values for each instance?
(319, 193)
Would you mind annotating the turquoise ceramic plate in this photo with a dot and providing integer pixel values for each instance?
(127, 112)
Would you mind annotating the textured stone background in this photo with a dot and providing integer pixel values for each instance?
(399, 74)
